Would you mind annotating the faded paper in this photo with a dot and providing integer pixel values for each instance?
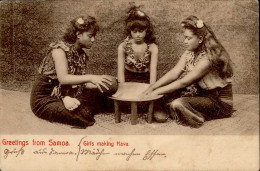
(27, 27)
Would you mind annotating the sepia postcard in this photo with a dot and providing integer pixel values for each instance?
(124, 133)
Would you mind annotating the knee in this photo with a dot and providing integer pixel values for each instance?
(177, 104)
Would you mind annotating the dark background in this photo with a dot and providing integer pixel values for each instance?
(28, 27)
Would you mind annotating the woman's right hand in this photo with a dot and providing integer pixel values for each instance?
(146, 92)
(101, 80)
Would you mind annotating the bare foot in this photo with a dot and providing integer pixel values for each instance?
(70, 103)
(160, 115)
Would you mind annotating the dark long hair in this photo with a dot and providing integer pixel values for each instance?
(219, 57)
(137, 19)
(80, 24)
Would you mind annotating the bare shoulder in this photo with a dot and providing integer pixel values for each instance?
(121, 46)
(58, 53)
(153, 47)
(204, 62)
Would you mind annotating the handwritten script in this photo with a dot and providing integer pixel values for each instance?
(83, 151)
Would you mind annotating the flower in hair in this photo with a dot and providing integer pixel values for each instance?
(199, 24)
(140, 13)
(80, 21)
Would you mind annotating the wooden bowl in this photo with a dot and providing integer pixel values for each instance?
(130, 91)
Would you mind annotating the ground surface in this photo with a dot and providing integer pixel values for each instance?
(16, 118)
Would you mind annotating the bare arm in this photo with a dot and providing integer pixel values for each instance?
(121, 63)
(172, 75)
(201, 69)
(61, 66)
(154, 63)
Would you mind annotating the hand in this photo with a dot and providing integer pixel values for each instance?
(101, 80)
(146, 92)
(150, 94)
(70, 103)
(154, 93)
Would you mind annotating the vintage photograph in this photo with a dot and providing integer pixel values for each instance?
(124, 67)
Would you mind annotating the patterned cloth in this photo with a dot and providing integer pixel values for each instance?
(139, 64)
(52, 109)
(137, 77)
(76, 66)
(46, 102)
(209, 98)
(211, 80)
(195, 110)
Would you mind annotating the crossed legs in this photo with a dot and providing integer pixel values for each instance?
(193, 111)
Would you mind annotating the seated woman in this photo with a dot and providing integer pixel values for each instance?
(199, 85)
(138, 53)
(63, 91)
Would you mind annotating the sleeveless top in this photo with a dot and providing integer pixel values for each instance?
(212, 79)
(139, 64)
(76, 65)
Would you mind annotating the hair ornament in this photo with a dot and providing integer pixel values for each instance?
(80, 21)
(140, 13)
(199, 24)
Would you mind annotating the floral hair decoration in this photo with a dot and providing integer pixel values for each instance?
(140, 13)
(80, 21)
(198, 24)
(85, 21)
(135, 11)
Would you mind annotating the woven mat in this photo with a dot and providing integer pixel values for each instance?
(16, 118)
